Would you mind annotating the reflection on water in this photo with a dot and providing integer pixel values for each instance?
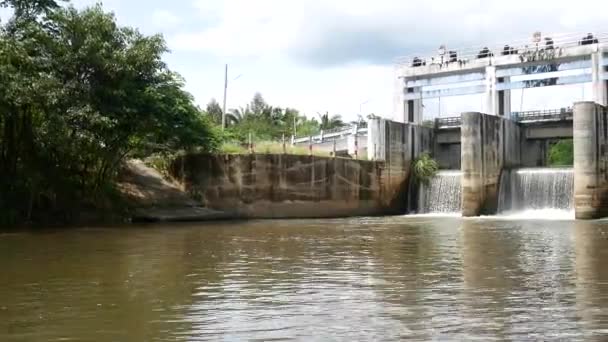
(354, 279)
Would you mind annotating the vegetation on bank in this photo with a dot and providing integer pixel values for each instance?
(270, 147)
(81, 94)
(260, 121)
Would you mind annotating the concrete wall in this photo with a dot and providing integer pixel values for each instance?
(398, 144)
(590, 161)
(447, 156)
(447, 148)
(489, 144)
(535, 152)
(537, 139)
(286, 186)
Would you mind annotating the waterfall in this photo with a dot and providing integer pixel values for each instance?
(442, 194)
(536, 189)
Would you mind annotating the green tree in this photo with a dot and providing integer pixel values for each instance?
(330, 122)
(214, 111)
(258, 105)
(80, 94)
(562, 153)
(266, 122)
(238, 115)
(30, 8)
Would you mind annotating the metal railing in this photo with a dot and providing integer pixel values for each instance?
(333, 134)
(562, 114)
(463, 55)
(543, 115)
(450, 122)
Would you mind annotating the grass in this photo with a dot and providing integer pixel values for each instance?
(271, 148)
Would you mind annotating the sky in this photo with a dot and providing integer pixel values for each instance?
(335, 55)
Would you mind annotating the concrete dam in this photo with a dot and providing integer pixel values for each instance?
(494, 177)
(495, 160)
(492, 161)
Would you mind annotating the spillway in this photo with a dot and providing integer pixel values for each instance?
(442, 194)
(536, 189)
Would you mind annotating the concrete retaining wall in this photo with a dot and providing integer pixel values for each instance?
(590, 160)
(397, 144)
(286, 186)
(489, 144)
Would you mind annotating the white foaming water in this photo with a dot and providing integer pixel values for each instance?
(423, 215)
(442, 195)
(537, 214)
(540, 193)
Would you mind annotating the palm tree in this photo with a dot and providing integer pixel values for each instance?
(237, 115)
(328, 122)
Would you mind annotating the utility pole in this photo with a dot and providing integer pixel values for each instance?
(361, 107)
(225, 91)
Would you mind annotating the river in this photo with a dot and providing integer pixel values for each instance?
(391, 278)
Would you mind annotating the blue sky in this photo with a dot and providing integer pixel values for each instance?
(332, 55)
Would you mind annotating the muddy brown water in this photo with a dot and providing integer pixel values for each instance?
(391, 278)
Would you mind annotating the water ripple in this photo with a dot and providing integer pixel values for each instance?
(389, 279)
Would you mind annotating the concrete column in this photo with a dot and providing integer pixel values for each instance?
(471, 164)
(376, 139)
(504, 99)
(412, 108)
(488, 144)
(490, 100)
(398, 96)
(590, 161)
(600, 91)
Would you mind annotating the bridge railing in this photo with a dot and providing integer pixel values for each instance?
(464, 54)
(450, 122)
(543, 115)
(333, 134)
(562, 114)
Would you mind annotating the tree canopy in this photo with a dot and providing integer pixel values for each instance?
(562, 153)
(79, 94)
(266, 122)
(330, 122)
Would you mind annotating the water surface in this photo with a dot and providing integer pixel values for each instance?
(392, 278)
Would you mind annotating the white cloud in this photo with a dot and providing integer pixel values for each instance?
(164, 19)
(318, 55)
(244, 29)
(333, 32)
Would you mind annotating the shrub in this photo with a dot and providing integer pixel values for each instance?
(424, 168)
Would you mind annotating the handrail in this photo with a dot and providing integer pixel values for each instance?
(524, 116)
(333, 134)
(548, 41)
(454, 121)
(543, 115)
